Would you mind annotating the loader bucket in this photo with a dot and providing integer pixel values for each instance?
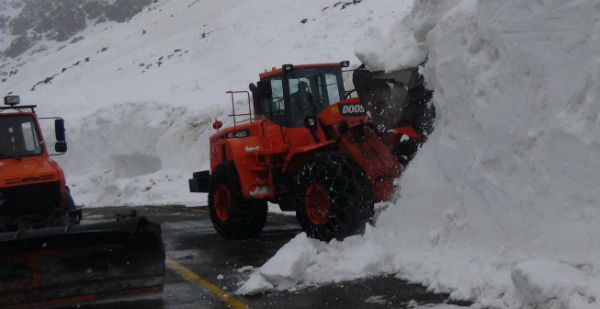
(395, 99)
(64, 265)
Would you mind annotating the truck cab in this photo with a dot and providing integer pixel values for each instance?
(33, 192)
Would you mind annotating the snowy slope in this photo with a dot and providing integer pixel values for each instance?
(502, 203)
(139, 97)
(500, 206)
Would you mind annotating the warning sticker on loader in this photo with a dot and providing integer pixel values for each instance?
(352, 109)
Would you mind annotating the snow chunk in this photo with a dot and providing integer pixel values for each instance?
(376, 299)
(285, 269)
(547, 284)
(259, 190)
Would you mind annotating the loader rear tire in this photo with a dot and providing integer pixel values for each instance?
(333, 196)
(233, 215)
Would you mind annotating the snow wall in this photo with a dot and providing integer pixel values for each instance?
(502, 203)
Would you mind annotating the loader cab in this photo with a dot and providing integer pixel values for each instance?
(289, 94)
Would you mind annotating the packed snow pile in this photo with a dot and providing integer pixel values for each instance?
(501, 205)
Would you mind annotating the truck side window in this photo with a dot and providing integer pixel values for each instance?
(18, 137)
(29, 136)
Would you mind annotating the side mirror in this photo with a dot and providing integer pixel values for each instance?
(310, 122)
(264, 88)
(59, 130)
(60, 147)
(252, 87)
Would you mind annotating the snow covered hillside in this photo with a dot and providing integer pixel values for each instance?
(139, 97)
(500, 206)
(502, 203)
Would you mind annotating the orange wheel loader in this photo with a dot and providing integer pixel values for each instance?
(307, 146)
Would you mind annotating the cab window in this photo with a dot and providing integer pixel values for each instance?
(289, 98)
(18, 137)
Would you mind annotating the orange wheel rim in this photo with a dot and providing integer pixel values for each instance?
(317, 204)
(222, 203)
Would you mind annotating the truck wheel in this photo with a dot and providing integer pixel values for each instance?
(333, 196)
(233, 215)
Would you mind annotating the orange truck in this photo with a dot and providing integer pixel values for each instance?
(33, 191)
(47, 258)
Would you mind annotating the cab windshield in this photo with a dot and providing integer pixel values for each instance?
(18, 137)
(303, 92)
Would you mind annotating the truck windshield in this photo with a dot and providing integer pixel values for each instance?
(18, 137)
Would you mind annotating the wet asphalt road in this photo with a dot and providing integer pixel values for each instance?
(191, 241)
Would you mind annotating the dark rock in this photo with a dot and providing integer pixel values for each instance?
(93, 9)
(60, 20)
(76, 39)
(304, 20)
(18, 46)
(123, 10)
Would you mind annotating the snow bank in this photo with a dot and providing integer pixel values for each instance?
(134, 154)
(502, 203)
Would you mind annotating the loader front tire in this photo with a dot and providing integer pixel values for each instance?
(233, 215)
(333, 196)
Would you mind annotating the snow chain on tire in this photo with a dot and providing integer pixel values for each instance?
(349, 192)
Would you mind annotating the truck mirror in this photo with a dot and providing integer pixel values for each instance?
(59, 130)
(264, 88)
(60, 147)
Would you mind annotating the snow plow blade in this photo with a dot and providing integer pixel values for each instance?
(64, 265)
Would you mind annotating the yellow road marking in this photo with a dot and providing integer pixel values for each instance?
(224, 296)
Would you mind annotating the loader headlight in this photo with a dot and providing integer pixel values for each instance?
(345, 64)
